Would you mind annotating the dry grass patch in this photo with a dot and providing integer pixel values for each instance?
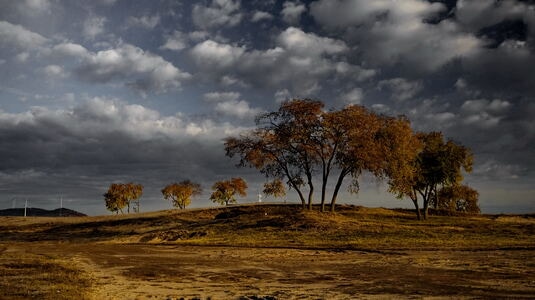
(25, 276)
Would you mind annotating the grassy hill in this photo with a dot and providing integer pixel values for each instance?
(352, 227)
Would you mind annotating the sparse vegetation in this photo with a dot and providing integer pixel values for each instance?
(263, 249)
(28, 276)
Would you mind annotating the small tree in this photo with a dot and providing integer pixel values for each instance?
(225, 191)
(180, 193)
(459, 198)
(120, 195)
(275, 188)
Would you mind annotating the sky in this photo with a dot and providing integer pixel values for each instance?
(100, 91)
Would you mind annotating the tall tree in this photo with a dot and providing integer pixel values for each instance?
(180, 193)
(224, 192)
(120, 195)
(282, 145)
(401, 147)
(350, 141)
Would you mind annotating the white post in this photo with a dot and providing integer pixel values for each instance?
(25, 206)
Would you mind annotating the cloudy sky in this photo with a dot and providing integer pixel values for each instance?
(101, 91)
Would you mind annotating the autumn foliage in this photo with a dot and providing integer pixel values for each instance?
(120, 195)
(301, 140)
(225, 191)
(304, 144)
(460, 198)
(180, 193)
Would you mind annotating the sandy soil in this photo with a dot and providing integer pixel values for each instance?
(141, 271)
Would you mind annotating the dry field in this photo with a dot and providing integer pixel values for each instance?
(268, 252)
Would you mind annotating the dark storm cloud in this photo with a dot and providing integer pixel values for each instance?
(101, 131)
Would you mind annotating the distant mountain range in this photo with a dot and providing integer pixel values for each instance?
(39, 212)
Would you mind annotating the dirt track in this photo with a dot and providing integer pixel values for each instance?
(141, 271)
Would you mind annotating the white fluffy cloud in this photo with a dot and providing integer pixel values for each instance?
(230, 104)
(298, 61)
(261, 16)
(395, 31)
(12, 35)
(484, 113)
(482, 13)
(237, 108)
(292, 11)
(98, 117)
(309, 44)
(70, 49)
(54, 71)
(214, 54)
(218, 13)
(221, 96)
(354, 96)
(176, 41)
(141, 70)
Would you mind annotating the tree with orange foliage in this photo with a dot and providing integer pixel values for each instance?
(283, 144)
(460, 198)
(224, 191)
(439, 163)
(120, 195)
(301, 139)
(180, 193)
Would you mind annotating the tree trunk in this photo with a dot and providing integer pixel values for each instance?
(427, 200)
(343, 174)
(301, 197)
(296, 188)
(418, 215)
(311, 190)
(324, 178)
(323, 187)
(426, 208)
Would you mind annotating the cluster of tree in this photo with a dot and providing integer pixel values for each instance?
(301, 140)
(120, 195)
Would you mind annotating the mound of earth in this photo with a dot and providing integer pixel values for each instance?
(39, 212)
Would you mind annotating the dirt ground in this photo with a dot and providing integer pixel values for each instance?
(144, 271)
